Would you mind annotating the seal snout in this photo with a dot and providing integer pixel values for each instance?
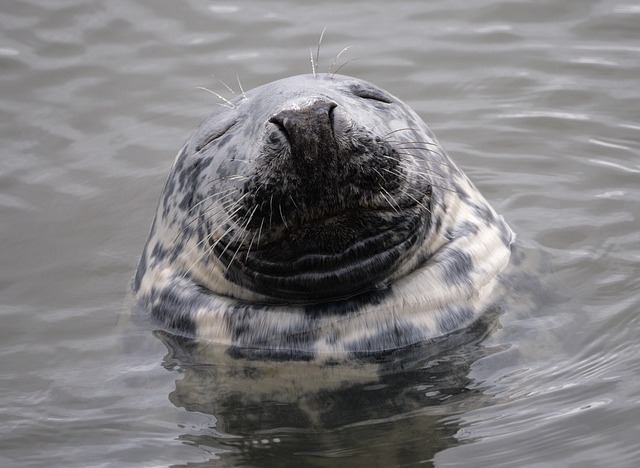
(322, 214)
(309, 129)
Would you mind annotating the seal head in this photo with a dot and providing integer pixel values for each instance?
(318, 214)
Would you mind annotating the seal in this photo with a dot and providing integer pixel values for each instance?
(318, 216)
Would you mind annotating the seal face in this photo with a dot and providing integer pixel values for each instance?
(319, 215)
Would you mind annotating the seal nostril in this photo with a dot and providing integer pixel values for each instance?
(299, 125)
(332, 106)
(278, 121)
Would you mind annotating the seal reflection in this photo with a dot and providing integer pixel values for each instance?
(381, 408)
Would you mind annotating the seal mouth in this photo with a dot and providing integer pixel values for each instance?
(339, 255)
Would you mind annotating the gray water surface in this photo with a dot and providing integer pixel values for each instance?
(537, 101)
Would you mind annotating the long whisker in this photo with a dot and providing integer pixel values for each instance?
(417, 201)
(282, 216)
(235, 203)
(403, 146)
(213, 196)
(209, 250)
(318, 51)
(313, 64)
(390, 200)
(246, 232)
(225, 178)
(403, 129)
(442, 163)
(345, 63)
(260, 233)
(223, 84)
(294, 203)
(253, 238)
(336, 59)
(403, 142)
(270, 211)
(228, 104)
(430, 181)
(199, 215)
(241, 88)
(243, 222)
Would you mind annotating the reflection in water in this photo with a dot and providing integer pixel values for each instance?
(383, 409)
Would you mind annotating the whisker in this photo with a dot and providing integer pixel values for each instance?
(313, 64)
(389, 200)
(318, 51)
(282, 216)
(430, 181)
(228, 104)
(294, 203)
(241, 88)
(402, 129)
(199, 216)
(253, 238)
(402, 142)
(270, 211)
(239, 248)
(225, 178)
(223, 83)
(345, 63)
(442, 163)
(404, 146)
(227, 193)
(417, 201)
(207, 251)
(260, 233)
(212, 247)
(246, 232)
(235, 203)
(336, 59)
(378, 172)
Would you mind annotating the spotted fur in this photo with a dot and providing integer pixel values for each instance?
(307, 172)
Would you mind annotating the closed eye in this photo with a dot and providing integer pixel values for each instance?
(213, 136)
(371, 93)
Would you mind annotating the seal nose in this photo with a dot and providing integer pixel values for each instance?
(309, 129)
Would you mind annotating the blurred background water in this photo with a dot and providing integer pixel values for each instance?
(537, 101)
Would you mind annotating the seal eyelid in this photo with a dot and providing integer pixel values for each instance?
(372, 94)
(206, 141)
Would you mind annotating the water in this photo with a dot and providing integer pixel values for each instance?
(537, 101)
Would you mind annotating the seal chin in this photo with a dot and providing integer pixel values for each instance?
(333, 257)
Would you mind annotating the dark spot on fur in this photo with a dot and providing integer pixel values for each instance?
(173, 309)
(456, 266)
(462, 194)
(485, 213)
(158, 253)
(464, 229)
(437, 223)
(247, 331)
